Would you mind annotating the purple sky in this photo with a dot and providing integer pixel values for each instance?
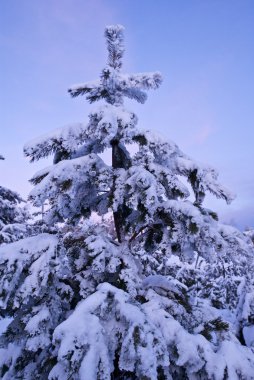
(204, 49)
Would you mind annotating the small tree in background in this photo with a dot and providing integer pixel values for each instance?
(13, 217)
(165, 294)
(249, 232)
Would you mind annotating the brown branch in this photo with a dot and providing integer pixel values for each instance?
(137, 233)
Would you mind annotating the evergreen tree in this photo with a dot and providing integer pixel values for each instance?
(165, 294)
(12, 216)
(249, 232)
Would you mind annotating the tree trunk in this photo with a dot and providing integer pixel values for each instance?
(120, 159)
(116, 163)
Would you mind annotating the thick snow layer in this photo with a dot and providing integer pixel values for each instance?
(248, 334)
(195, 352)
(160, 281)
(144, 81)
(75, 172)
(86, 325)
(23, 255)
(88, 85)
(67, 139)
(4, 323)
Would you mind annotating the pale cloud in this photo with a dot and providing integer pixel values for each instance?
(74, 15)
(198, 137)
(203, 134)
(240, 217)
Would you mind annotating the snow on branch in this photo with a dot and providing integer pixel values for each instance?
(10, 196)
(65, 139)
(144, 81)
(163, 150)
(197, 355)
(202, 178)
(115, 44)
(76, 185)
(91, 342)
(113, 85)
(15, 259)
(93, 88)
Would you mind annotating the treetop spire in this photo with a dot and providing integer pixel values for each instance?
(115, 42)
(113, 85)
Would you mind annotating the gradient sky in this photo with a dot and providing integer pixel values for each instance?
(204, 49)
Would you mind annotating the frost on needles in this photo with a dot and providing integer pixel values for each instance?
(140, 280)
(13, 216)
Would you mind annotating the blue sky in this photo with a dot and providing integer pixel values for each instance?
(204, 49)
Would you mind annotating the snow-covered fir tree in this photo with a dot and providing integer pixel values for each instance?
(249, 232)
(13, 217)
(161, 290)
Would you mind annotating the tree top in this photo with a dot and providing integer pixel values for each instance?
(113, 85)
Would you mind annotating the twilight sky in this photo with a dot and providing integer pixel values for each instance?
(204, 49)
